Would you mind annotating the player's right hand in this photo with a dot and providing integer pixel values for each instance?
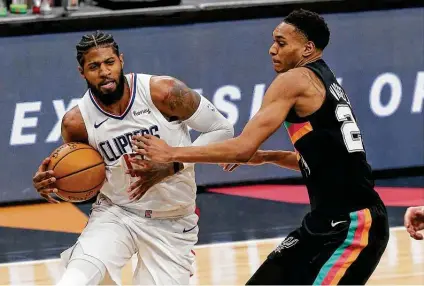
(43, 182)
(414, 222)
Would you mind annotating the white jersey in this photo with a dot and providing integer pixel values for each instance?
(110, 135)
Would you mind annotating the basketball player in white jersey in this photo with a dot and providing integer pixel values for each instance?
(144, 208)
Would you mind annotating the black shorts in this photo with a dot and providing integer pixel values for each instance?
(341, 250)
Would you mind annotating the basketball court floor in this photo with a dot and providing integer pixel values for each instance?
(239, 227)
(234, 262)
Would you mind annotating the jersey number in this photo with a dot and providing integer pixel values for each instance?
(350, 130)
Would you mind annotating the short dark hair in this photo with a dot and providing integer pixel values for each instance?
(97, 39)
(312, 25)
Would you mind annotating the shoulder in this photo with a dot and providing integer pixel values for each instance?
(73, 126)
(293, 82)
(162, 87)
(173, 97)
(72, 117)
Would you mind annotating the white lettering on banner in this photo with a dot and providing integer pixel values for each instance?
(20, 122)
(258, 95)
(418, 100)
(225, 99)
(60, 109)
(219, 100)
(395, 95)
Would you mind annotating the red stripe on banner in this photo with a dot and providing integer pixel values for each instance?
(392, 196)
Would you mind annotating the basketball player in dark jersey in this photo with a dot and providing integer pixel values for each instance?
(343, 237)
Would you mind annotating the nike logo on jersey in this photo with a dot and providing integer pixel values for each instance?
(98, 125)
(333, 223)
(187, 230)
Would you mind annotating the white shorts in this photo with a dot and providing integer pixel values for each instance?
(163, 246)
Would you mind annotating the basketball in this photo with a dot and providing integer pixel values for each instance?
(79, 171)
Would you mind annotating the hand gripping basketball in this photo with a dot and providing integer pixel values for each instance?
(43, 181)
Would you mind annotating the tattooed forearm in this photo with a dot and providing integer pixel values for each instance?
(182, 100)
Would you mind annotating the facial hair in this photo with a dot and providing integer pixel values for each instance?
(111, 97)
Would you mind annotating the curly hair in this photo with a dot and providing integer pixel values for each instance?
(311, 25)
(97, 39)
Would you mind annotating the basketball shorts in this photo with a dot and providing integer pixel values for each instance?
(328, 251)
(163, 246)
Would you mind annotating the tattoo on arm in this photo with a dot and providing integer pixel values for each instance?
(182, 101)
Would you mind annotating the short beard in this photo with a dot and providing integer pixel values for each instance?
(112, 97)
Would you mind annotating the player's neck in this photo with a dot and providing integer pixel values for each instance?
(308, 60)
(121, 105)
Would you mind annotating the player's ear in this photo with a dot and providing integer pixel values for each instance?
(81, 71)
(309, 48)
(121, 59)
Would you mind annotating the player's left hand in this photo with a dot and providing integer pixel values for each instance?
(414, 222)
(152, 147)
(149, 173)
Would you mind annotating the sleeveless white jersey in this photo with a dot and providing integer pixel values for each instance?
(110, 135)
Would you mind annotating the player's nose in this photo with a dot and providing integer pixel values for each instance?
(272, 50)
(104, 70)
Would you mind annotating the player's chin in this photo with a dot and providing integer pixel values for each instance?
(278, 68)
(106, 91)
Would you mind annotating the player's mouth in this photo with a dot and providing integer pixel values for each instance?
(108, 85)
(275, 62)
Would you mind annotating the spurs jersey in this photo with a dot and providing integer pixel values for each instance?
(330, 150)
(111, 136)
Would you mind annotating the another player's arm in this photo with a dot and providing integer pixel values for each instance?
(279, 98)
(284, 159)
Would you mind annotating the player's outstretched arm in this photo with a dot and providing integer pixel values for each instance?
(279, 98)
(284, 159)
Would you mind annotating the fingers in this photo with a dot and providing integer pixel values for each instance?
(47, 191)
(44, 183)
(146, 139)
(233, 167)
(44, 165)
(139, 162)
(418, 236)
(50, 199)
(137, 190)
(407, 218)
(140, 151)
(143, 138)
(140, 173)
(229, 167)
(39, 176)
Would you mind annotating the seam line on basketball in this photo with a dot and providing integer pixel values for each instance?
(67, 155)
(79, 192)
(86, 168)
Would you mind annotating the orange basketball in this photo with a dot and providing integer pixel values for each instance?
(79, 171)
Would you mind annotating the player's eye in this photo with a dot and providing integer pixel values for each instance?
(92, 67)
